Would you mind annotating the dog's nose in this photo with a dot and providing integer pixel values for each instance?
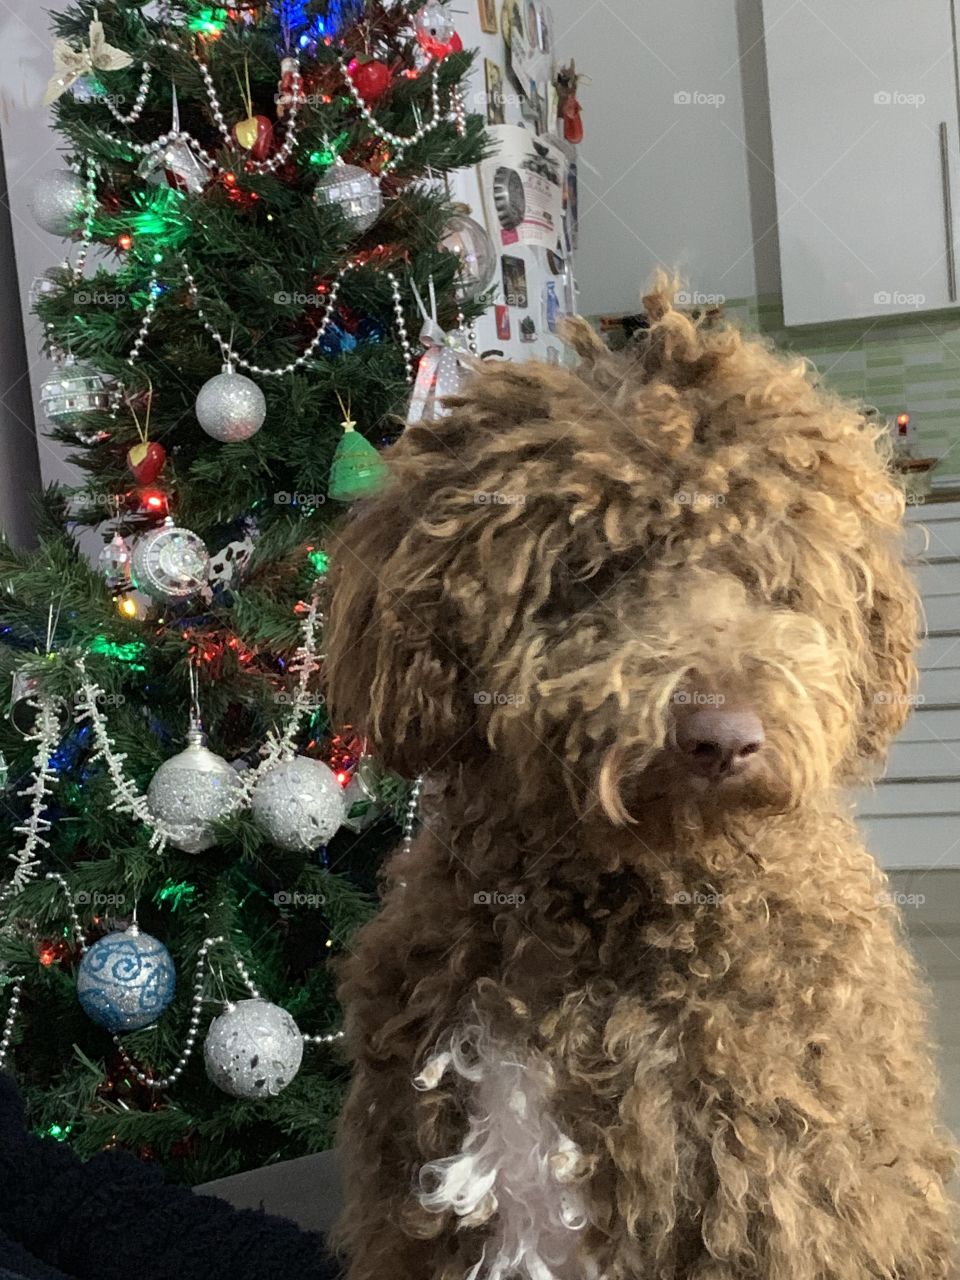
(719, 743)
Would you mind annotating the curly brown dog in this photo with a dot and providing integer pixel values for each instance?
(636, 1005)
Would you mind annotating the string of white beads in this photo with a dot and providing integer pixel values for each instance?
(395, 139)
(133, 115)
(230, 355)
(410, 818)
(11, 1021)
(146, 322)
(199, 984)
(71, 908)
(401, 325)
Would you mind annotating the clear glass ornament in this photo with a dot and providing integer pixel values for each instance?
(192, 791)
(298, 804)
(466, 238)
(356, 191)
(114, 561)
(126, 980)
(169, 563)
(253, 1050)
(434, 24)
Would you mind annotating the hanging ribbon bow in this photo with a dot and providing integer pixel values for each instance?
(441, 365)
(70, 64)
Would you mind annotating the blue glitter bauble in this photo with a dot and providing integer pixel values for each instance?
(126, 980)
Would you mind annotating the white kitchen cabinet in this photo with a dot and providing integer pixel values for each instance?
(865, 118)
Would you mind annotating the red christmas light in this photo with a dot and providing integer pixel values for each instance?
(124, 240)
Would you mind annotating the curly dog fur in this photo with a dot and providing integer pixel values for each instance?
(661, 1029)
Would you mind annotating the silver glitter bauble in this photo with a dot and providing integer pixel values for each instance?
(169, 563)
(253, 1050)
(231, 407)
(192, 791)
(75, 389)
(126, 980)
(58, 202)
(354, 190)
(466, 238)
(298, 804)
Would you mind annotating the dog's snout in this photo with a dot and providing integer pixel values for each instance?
(719, 742)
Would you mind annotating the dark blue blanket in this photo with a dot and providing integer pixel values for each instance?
(113, 1217)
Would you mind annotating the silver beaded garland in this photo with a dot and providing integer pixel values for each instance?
(253, 1050)
(230, 407)
(191, 792)
(298, 804)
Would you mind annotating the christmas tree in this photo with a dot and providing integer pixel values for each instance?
(256, 201)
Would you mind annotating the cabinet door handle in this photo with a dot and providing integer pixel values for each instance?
(948, 212)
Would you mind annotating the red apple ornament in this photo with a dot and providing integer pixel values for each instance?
(371, 78)
(146, 461)
(255, 134)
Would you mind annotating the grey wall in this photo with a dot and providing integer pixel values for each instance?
(685, 185)
(30, 149)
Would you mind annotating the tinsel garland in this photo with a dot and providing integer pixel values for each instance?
(45, 734)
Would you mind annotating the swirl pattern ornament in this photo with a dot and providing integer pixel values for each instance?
(126, 980)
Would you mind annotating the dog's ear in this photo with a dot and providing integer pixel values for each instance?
(892, 623)
(390, 670)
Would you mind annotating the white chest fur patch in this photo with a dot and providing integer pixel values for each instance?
(516, 1169)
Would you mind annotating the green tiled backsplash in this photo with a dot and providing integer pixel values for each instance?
(900, 364)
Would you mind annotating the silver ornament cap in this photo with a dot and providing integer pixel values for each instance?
(192, 791)
(57, 202)
(298, 804)
(231, 407)
(253, 1049)
(169, 563)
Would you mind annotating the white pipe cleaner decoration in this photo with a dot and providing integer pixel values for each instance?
(70, 64)
(45, 734)
(516, 1169)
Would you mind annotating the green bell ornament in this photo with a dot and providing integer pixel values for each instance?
(357, 469)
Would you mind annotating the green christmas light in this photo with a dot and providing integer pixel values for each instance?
(59, 1132)
(329, 153)
(209, 22)
(320, 561)
(175, 894)
(128, 653)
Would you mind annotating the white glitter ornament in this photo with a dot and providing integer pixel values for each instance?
(169, 563)
(253, 1050)
(58, 202)
(231, 407)
(466, 238)
(356, 191)
(192, 791)
(298, 804)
